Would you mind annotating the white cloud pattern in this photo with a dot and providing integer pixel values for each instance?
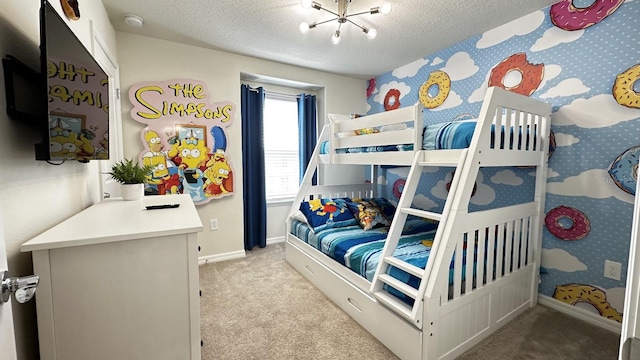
(424, 203)
(561, 260)
(460, 66)
(518, 27)
(563, 139)
(507, 177)
(555, 36)
(596, 112)
(594, 183)
(566, 87)
(410, 69)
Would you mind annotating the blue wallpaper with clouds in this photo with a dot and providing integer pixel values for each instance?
(590, 188)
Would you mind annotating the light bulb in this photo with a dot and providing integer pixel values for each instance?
(372, 33)
(304, 27)
(335, 38)
(385, 9)
(305, 3)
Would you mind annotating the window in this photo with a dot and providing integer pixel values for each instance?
(281, 147)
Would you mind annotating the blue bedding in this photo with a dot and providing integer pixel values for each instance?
(360, 250)
(324, 148)
(449, 135)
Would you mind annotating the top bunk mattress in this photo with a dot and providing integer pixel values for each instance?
(450, 135)
(443, 136)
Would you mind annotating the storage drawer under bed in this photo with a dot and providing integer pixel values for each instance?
(395, 333)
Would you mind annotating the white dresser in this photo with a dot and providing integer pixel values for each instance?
(118, 281)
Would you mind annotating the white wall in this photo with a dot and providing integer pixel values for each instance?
(35, 195)
(147, 59)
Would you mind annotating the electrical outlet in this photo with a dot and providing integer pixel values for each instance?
(612, 270)
(213, 224)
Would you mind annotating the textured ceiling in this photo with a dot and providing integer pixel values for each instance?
(268, 29)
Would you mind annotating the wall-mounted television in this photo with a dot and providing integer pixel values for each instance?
(77, 124)
(66, 100)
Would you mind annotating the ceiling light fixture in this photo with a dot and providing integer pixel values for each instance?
(342, 17)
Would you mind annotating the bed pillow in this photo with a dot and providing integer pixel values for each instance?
(387, 208)
(450, 135)
(298, 215)
(368, 214)
(327, 213)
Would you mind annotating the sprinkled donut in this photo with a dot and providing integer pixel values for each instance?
(568, 17)
(624, 169)
(579, 228)
(575, 293)
(440, 79)
(398, 186)
(531, 74)
(392, 94)
(623, 87)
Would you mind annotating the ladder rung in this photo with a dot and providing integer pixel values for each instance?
(402, 265)
(445, 163)
(399, 285)
(448, 158)
(394, 303)
(422, 213)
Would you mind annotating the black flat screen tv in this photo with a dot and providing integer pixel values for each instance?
(76, 123)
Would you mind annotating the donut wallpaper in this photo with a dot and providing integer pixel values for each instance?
(586, 64)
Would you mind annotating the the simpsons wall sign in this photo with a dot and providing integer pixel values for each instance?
(185, 139)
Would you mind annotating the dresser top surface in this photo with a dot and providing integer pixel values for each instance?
(118, 220)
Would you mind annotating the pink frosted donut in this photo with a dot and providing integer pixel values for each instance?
(398, 186)
(568, 17)
(579, 228)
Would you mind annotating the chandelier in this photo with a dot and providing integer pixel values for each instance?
(342, 17)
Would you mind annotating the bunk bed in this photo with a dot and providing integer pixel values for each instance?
(429, 285)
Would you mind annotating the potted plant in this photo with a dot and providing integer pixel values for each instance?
(131, 177)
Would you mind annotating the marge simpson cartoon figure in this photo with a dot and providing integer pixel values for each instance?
(192, 153)
(65, 145)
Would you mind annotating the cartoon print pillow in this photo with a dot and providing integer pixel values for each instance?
(387, 208)
(327, 213)
(368, 214)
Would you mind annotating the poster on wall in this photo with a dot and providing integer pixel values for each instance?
(185, 139)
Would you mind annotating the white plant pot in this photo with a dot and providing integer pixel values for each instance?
(132, 191)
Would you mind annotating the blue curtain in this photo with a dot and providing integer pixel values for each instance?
(307, 133)
(254, 200)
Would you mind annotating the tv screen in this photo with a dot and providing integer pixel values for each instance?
(77, 124)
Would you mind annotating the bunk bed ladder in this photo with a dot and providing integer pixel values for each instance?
(454, 159)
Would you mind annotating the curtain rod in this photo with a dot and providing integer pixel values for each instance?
(273, 92)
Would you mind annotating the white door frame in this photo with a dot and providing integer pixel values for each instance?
(630, 321)
(7, 333)
(109, 63)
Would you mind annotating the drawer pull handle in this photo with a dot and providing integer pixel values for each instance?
(309, 269)
(354, 304)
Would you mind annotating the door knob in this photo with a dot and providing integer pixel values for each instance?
(23, 287)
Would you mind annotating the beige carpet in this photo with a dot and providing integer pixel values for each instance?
(259, 307)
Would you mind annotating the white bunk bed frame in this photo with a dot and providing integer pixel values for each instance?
(447, 318)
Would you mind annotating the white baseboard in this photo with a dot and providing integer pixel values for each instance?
(275, 240)
(234, 254)
(591, 318)
(221, 257)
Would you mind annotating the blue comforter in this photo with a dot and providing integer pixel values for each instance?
(360, 250)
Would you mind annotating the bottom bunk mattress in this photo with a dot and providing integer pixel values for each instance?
(359, 250)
